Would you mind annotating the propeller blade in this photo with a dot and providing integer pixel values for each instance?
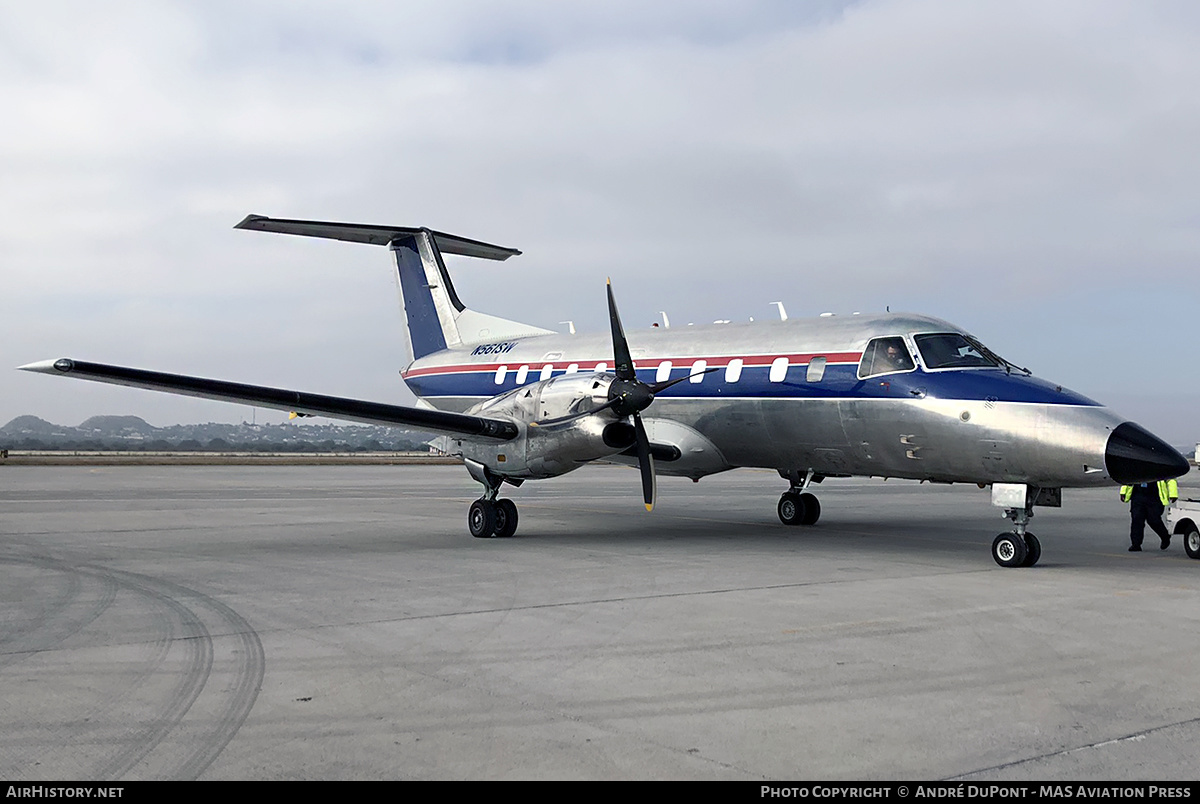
(645, 463)
(622, 360)
(570, 417)
(662, 386)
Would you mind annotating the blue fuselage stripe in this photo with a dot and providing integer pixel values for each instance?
(839, 381)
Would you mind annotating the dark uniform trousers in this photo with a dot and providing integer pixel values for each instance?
(1146, 508)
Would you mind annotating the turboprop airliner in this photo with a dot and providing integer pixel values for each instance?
(895, 395)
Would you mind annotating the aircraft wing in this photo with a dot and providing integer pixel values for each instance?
(300, 402)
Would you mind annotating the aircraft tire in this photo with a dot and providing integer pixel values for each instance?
(1009, 550)
(1191, 543)
(481, 519)
(791, 508)
(506, 518)
(812, 509)
(1033, 550)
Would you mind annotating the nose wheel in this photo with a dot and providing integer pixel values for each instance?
(1015, 550)
(1033, 550)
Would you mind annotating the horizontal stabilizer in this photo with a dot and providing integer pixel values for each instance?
(376, 235)
(292, 401)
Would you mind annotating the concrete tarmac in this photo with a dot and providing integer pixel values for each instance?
(340, 623)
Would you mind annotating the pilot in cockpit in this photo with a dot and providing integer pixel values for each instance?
(893, 356)
(885, 356)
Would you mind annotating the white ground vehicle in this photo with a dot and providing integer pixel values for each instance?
(1183, 518)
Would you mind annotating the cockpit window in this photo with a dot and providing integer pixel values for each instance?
(952, 350)
(885, 356)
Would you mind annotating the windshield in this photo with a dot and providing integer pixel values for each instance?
(952, 350)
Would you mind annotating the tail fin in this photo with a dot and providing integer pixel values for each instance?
(436, 318)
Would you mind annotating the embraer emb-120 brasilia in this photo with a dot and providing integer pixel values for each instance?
(896, 395)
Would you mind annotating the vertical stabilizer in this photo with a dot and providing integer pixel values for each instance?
(429, 299)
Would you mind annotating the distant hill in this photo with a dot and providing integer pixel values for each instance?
(134, 433)
(29, 425)
(113, 425)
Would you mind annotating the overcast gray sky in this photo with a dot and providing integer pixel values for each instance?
(1028, 170)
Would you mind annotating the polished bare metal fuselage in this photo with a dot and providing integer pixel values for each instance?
(973, 425)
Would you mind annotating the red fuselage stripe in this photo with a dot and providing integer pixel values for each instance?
(752, 361)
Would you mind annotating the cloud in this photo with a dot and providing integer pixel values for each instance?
(1015, 167)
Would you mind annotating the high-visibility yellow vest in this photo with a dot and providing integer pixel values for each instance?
(1168, 490)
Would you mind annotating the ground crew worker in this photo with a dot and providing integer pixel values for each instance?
(1146, 504)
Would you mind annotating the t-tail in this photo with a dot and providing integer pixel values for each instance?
(437, 319)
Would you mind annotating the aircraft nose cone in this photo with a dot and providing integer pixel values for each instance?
(1134, 455)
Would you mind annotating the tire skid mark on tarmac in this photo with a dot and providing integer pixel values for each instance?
(186, 629)
(67, 612)
(245, 675)
(239, 671)
(168, 745)
(54, 633)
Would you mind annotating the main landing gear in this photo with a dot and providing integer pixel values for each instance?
(490, 517)
(798, 506)
(1019, 548)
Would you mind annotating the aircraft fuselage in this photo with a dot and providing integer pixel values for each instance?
(771, 403)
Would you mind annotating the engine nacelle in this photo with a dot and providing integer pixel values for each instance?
(549, 399)
(544, 448)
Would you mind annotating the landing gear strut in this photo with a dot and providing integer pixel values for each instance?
(1019, 548)
(798, 506)
(490, 516)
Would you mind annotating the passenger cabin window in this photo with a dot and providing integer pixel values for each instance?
(522, 375)
(952, 350)
(816, 369)
(601, 368)
(547, 370)
(733, 371)
(697, 371)
(779, 369)
(500, 372)
(885, 356)
(574, 367)
(664, 371)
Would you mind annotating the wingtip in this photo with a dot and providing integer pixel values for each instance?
(46, 366)
(246, 222)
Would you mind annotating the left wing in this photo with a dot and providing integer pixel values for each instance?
(293, 401)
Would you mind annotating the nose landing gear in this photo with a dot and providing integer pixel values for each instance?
(1019, 548)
